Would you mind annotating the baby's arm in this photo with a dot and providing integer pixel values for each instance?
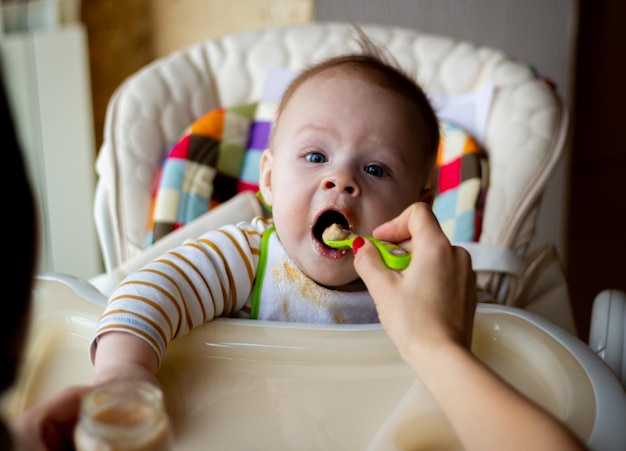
(122, 356)
(180, 290)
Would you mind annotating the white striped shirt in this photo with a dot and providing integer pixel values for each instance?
(187, 286)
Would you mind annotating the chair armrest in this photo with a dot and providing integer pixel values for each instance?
(607, 334)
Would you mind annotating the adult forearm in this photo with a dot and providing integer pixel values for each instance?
(485, 411)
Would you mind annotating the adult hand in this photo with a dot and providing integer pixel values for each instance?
(431, 301)
(50, 424)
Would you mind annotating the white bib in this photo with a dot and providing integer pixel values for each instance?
(287, 294)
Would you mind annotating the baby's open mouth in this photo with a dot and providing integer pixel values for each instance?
(327, 219)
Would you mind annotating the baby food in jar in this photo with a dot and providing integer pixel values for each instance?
(123, 416)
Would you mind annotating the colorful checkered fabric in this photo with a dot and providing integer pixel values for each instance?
(460, 184)
(258, 142)
(219, 156)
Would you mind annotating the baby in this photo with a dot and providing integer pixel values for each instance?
(354, 143)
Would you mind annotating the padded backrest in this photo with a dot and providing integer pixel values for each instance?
(524, 134)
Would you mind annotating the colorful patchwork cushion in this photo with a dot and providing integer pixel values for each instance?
(219, 155)
(460, 184)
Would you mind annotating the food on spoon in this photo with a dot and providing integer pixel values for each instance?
(393, 255)
(335, 232)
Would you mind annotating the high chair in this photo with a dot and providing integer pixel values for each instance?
(515, 117)
(242, 384)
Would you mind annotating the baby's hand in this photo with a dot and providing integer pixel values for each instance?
(122, 372)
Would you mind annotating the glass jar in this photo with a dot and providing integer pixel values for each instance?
(123, 416)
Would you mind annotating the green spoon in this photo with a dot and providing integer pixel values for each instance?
(393, 255)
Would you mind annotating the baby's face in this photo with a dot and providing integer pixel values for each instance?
(344, 151)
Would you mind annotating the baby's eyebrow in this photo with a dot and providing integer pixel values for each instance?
(392, 152)
(314, 127)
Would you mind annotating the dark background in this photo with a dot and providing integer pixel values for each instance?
(597, 225)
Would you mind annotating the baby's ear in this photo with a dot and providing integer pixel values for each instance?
(265, 176)
(427, 196)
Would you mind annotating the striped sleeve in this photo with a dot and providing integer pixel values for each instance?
(186, 287)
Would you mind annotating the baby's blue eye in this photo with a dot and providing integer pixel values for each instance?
(376, 171)
(316, 157)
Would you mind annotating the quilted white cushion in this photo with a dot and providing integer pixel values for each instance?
(148, 112)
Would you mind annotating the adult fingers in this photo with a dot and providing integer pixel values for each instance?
(49, 425)
(416, 221)
(371, 268)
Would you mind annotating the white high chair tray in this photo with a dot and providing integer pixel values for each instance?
(241, 384)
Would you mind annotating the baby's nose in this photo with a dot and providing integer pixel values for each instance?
(341, 183)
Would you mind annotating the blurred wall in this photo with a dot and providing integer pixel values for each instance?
(120, 42)
(184, 22)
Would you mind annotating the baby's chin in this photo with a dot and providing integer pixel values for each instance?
(355, 285)
(340, 283)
